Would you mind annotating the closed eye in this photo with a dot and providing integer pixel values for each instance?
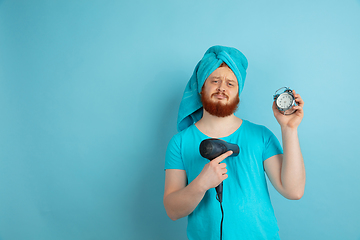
(231, 84)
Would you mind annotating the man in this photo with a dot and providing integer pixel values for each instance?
(207, 111)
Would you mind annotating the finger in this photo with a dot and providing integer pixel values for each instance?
(274, 108)
(221, 171)
(222, 157)
(298, 109)
(222, 165)
(299, 101)
(296, 95)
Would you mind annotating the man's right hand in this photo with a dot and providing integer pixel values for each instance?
(214, 172)
(181, 199)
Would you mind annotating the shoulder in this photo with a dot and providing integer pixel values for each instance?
(189, 131)
(255, 128)
(258, 132)
(175, 152)
(183, 135)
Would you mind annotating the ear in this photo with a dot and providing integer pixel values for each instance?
(202, 89)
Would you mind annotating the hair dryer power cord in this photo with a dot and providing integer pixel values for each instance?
(222, 219)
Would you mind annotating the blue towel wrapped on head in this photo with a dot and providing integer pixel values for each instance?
(190, 110)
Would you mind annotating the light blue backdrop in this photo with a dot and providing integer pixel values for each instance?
(89, 93)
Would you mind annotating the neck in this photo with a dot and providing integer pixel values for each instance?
(214, 126)
(215, 121)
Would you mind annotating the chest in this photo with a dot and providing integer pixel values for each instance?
(248, 162)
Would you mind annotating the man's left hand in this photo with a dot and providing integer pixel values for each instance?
(293, 120)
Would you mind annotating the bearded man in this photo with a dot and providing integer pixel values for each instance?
(207, 111)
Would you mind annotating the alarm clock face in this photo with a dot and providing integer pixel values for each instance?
(284, 101)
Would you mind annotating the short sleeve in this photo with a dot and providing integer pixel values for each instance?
(272, 145)
(173, 159)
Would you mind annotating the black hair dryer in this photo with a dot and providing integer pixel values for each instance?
(212, 148)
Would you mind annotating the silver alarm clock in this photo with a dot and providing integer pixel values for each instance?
(285, 100)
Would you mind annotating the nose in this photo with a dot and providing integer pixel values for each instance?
(221, 87)
(220, 90)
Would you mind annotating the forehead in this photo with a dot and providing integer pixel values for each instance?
(223, 72)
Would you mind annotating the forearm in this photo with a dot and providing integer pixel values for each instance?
(183, 202)
(293, 169)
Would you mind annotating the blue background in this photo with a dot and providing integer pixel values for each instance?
(89, 93)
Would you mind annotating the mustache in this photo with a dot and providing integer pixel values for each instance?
(220, 93)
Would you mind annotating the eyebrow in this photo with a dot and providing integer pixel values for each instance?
(231, 80)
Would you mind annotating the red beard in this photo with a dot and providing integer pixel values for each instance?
(220, 109)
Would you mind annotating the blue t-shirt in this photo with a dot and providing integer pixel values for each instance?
(248, 213)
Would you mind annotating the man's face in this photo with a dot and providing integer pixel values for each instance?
(220, 93)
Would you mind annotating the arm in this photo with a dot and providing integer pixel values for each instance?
(181, 199)
(287, 171)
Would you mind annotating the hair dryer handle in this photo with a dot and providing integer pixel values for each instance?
(219, 190)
